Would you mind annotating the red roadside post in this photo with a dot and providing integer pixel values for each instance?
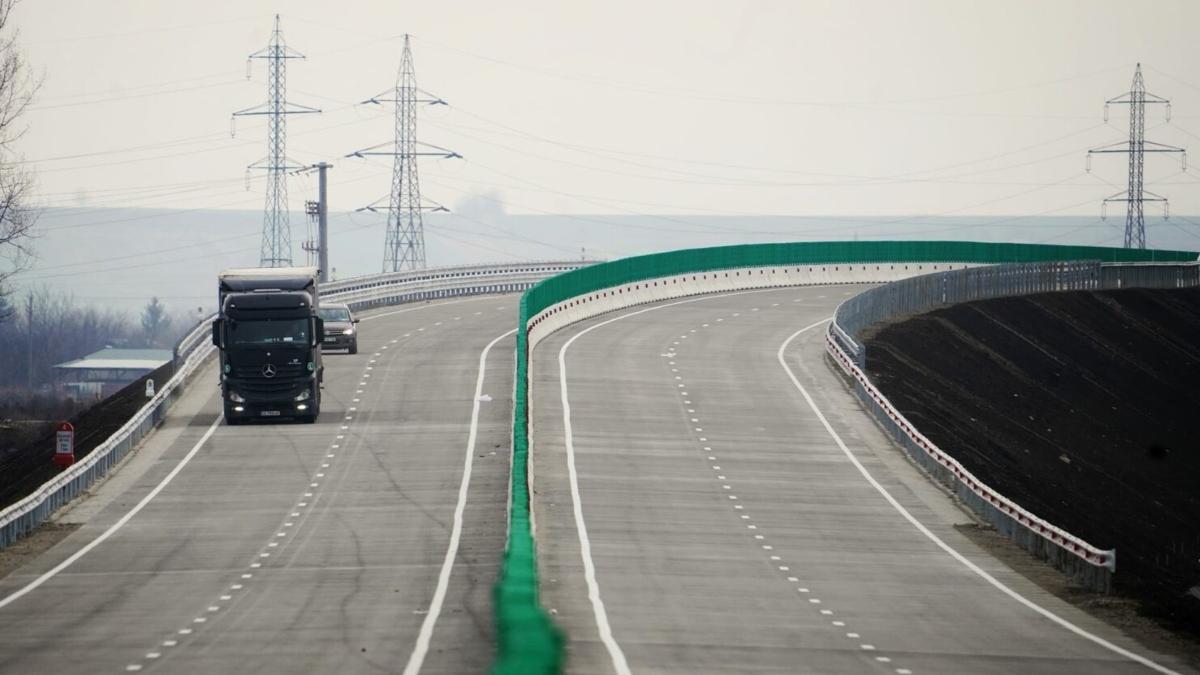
(64, 449)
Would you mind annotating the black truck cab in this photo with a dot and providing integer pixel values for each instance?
(269, 336)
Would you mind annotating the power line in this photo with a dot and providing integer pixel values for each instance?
(853, 180)
(404, 242)
(276, 249)
(752, 100)
(75, 104)
(158, 29)
(1136, 195)
(602, 152)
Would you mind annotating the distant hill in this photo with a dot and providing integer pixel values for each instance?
(119, 257)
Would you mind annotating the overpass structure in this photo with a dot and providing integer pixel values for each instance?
(653, 461)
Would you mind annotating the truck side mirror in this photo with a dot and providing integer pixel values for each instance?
(218, 326)
(318, 330)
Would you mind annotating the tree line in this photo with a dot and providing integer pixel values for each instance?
(47, 327)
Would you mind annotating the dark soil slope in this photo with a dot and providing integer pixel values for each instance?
(1084, 407)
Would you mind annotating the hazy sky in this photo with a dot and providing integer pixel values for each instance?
(700, 107)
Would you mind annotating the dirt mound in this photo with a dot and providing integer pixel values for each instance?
(1084, 407)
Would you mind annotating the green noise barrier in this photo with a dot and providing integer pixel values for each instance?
(528, 641)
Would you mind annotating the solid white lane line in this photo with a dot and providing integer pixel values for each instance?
(439, 595)
(16, 595)
(812, 404)
(585, 547)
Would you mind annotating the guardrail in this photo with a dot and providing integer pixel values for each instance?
(1087, 564)
(191, 351)
(921, 293)
(444, 282)
(528, 641)
(22, 517)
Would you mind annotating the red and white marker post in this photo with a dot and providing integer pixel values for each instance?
(64, 449)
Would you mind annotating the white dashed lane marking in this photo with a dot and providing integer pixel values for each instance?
(302, 503)
(774, 557)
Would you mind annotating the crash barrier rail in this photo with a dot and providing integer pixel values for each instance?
(191, 351)
(394, 288)
(1149, 275)
(1088, 565)
(528, 641)
(23, 516)
(919, 294)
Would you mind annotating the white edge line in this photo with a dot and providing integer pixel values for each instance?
(937, 540)
(417, 658)
(585, 546)
(16, 595)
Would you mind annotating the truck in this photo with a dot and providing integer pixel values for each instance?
(268, 333)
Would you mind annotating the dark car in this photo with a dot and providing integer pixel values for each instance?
(341, 328)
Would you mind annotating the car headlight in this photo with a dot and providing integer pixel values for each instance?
(303, 396)
(348, 331)
(236, 397)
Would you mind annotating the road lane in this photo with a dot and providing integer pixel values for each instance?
(728, 531)
(290, 547)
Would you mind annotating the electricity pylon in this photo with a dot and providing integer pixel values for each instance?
(1136, 147)
(404, 244)
(276, 250)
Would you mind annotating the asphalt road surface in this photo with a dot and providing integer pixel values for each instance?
(710, 498)
(284, 548)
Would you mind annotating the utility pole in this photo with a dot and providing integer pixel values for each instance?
(276, 249)
(404, 244)
(311, 246)
(29, 320)
(319, 210)
(1136, 147)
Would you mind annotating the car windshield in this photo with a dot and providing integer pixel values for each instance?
(269, 332)
(334, 314)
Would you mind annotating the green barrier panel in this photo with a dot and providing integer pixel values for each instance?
(528, 641)
(586, 279)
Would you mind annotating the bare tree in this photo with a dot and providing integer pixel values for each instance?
(17, 216)
(155, 322)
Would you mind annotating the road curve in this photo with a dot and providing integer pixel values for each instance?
(288, 548)
(696, 511)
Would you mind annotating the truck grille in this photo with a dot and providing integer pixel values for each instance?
(252, 384)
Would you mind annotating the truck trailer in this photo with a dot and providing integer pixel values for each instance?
(269, 336)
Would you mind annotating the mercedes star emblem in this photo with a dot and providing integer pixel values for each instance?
(268, 370)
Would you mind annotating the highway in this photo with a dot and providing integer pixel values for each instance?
(351, 545)
(710, 498)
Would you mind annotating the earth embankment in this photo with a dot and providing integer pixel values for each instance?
(1084, 407)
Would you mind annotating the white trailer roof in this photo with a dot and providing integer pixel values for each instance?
(269, 272)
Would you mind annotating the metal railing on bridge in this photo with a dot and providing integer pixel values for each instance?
(194, 348)
(1084, 562)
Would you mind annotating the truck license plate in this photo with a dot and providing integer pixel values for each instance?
(269, 413)
(331, 339)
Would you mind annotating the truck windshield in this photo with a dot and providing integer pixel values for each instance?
(269, 332)
(334, 314)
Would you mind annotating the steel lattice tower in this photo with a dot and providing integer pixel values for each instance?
(276, 250)
(404, 243)
(1136, 195)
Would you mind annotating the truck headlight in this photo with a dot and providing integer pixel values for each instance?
(303, 396)
(348, 331)
(236, 397)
